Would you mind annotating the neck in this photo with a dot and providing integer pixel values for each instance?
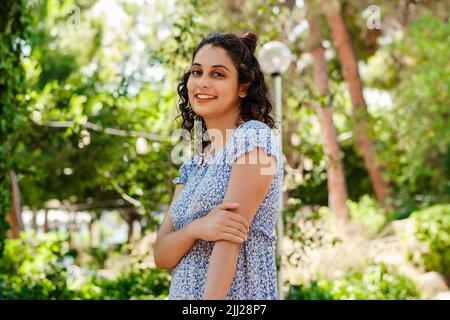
(220, 130)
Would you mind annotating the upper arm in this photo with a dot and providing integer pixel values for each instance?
(251, 176)
(166, 225)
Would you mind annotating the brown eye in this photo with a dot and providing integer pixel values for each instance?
(221, 75)
(193, 72)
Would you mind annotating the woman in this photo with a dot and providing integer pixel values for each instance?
(218, 234)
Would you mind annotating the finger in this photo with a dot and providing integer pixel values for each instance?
(239, 218)
(242, 220)
(228, 205)
(238, 226)
(235, 232)
(231, 238)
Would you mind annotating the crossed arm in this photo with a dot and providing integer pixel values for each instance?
(168, 240)
(249, 182)
(251, 176)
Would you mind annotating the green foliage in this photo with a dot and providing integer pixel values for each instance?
(34, 269)
(414, 135)
(368, 213)
(374, 282)
(99, 255)
(41, 268)
(297, 223)
(309, 184)
(429, 238)
(314, 291)
(140, 284)
(87, 85)
(14, 32)
(309, 229)
(106, 84)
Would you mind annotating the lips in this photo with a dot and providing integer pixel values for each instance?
(204, 98)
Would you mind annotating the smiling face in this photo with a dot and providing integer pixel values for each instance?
(213, 87)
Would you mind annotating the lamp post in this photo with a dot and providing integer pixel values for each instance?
(275, 58)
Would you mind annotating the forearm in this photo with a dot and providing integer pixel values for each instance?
(171, 248)
(221, 270)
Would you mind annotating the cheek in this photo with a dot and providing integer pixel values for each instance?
(189, 84)
(190, 87)
(230, 91)
(225, 88)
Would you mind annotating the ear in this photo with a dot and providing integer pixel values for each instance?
(243, 90)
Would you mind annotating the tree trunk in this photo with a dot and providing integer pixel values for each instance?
(71, 227)
(347, 57)
(403, 12)
(13, 232)
(337, 188)
(34, 225)
(130, 217)
(130, 224)
(45, 220)
(14, 216)
(291, 160)
(94, 233)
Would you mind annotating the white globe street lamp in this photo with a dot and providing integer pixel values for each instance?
(275, 58)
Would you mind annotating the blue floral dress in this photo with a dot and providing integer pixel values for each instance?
(205, 187)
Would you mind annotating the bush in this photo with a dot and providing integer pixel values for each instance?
(430, 239)
(368, 213)
(375, 282)
(42, 268)
(99, 256)
(308, 229)
(141, 284)
(312, 292)
(30, 270)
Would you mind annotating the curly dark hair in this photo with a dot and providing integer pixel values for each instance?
(256, 105)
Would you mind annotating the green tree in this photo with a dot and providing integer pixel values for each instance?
(14, 33)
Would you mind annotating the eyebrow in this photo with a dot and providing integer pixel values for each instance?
(214, 66)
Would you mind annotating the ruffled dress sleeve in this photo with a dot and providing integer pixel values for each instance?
(184, 172)
(250, 135)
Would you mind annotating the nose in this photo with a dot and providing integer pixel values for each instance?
(203, 82)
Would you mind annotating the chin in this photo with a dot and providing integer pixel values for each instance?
(202, 111)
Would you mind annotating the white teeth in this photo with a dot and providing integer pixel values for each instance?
(204, 96)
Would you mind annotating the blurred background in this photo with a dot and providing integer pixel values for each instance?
(88, 126)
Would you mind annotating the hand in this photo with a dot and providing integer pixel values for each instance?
(221, 224)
